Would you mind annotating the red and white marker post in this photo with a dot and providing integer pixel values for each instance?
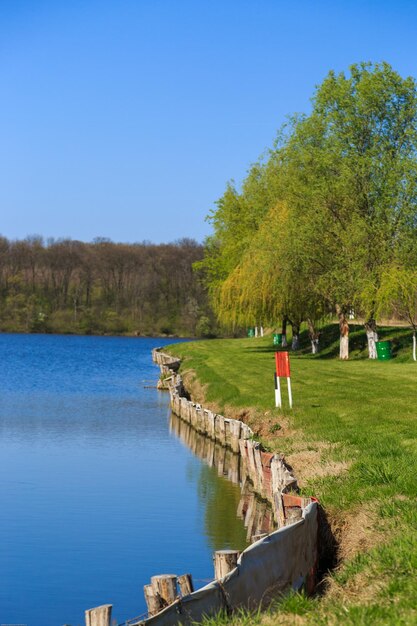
(282, 370)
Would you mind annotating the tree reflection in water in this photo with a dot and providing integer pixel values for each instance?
(223, 502)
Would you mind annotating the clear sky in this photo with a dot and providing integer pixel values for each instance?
(126, 118)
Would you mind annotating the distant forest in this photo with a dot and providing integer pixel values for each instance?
(66, 286)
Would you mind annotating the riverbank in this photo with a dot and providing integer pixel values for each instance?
(351, 441)
(17, 330)
(279, 560)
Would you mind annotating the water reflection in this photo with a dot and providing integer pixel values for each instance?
(256, 513)
(92, 484)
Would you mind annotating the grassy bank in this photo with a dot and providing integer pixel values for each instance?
(352, 440)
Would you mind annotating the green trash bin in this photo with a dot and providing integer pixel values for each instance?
(383, 350)
(277, 339)
(251, 332)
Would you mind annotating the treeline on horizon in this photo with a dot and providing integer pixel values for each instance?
(67, 286)
(325, 223)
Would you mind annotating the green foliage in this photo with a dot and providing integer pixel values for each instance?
(352, 178)
(103, 287)
(332, 205)
(205, 327)
(398, 293)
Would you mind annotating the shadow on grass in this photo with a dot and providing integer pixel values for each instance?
(400, 338)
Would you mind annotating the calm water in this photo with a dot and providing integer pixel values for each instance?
(96, 494)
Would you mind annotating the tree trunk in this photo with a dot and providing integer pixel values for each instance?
(295, 345)
(314, 336)
(284, 332)
(344, 333)
(372, 336)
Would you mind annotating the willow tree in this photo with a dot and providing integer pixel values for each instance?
(270, 282)
(235, 222)
(397, 296)
(351, 180)
(253, 291)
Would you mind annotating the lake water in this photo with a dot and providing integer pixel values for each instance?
(96, 493)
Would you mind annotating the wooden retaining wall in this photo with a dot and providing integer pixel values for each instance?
(270, 476)
(276, 562)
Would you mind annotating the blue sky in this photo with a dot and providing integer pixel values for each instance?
(126, 118)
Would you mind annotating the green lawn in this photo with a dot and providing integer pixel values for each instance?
(352, 440)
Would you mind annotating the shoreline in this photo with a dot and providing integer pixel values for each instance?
(74, 334)
(283, 560)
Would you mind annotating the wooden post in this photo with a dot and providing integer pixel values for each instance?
(100, 616)
(211, 421)
(166, 587)
(227, 433)
(193, 414)
(153, 600)
(292, 514)
(243, 448)
(224, 562)
(258, 536)
(235, 428)
(251, 446)
(246, 432)
(220, 430)
(185, 583)
(177, 405)
(259, 469)
(205, 422)
(201, 422)
(190, 411)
